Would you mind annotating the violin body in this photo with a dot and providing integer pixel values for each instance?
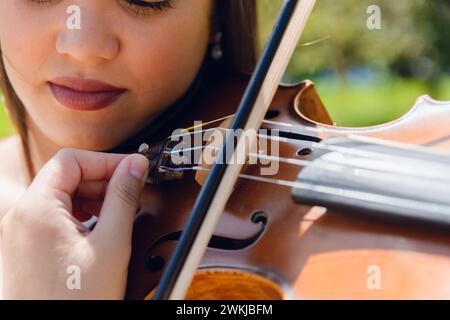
(266, 246)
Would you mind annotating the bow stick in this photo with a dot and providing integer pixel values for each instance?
(219, 185)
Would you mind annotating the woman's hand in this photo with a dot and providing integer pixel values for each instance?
(45, 248)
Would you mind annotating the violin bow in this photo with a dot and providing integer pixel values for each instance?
(218, 187)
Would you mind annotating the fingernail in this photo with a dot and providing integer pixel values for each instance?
(139, 167)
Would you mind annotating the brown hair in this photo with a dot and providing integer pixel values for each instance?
(237, 20)
(239, 27)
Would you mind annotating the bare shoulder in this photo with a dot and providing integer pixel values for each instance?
(12, 183)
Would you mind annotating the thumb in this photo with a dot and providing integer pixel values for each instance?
(121, 201)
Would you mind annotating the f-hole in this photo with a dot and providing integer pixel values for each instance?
(155, 263)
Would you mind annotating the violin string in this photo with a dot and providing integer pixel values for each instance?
(443, 162)
(309, 144)
(382, 172)
(189, 132)
(340, 192)
(394, 168)
(362, 138)
(360, 170)
(335, 132)
(343, 150)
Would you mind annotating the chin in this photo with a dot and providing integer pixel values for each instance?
(92, 142)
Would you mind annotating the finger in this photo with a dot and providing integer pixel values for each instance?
(121, 201)
(66, 170)
(62, 175)
(92, 189)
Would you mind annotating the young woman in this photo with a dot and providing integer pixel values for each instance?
(90, 88)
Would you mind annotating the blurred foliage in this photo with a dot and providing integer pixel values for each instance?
(348, 41)
(364, 76)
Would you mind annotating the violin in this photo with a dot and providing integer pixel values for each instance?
(354, 213)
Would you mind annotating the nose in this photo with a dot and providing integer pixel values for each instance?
(93, 42)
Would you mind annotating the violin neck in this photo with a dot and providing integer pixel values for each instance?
(378, 181)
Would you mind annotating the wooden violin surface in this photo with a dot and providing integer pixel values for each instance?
(281, 249)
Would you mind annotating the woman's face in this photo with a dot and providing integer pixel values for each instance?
(149, 55)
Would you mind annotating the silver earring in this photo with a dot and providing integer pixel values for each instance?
(217, 52)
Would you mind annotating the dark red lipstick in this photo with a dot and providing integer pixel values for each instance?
(84, 94)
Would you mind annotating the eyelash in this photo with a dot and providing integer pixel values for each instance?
(138, 7)
(40, 2)
(141, 7)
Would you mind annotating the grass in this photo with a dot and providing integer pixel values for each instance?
(364, 105)
(351, 104)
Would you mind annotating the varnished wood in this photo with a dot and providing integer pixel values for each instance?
(314, 252)
(252, 121)
(227, 284)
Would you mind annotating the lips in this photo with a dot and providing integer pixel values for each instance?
(84, 94)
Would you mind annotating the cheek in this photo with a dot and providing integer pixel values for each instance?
(160, 58)
(168, 57)
(24, 41)
(26, 46)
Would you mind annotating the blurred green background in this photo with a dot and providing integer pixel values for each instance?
(365, 77)
(6, 127)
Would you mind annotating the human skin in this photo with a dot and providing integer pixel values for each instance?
(155, 57)
(41, 240)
